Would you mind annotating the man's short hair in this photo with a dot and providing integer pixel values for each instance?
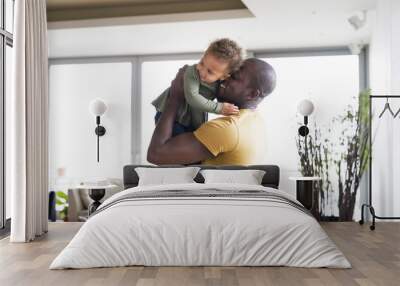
(264, 78)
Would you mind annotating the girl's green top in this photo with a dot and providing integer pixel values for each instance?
(199, 99)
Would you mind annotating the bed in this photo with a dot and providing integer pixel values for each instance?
(198, 224)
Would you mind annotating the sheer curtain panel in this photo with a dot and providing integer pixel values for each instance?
(27, 123)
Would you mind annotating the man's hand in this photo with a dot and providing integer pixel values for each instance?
(229, 109)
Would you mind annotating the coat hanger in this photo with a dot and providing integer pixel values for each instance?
(387, 107)
(398, 111)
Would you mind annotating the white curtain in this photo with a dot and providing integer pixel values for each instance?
(27, 123)
(385, 80)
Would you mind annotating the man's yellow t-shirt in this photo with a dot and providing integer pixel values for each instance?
(234, 140)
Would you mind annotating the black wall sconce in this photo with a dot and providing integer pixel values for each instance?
(97, 107)
(305, 108)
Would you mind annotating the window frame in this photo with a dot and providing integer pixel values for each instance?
(328, 51)
(6, 39)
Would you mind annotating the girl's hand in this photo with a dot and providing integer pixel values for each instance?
(229, 109)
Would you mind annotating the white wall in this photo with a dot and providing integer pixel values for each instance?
(385, 79)
(72, 137)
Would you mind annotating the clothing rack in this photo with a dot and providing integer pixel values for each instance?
(369, 205)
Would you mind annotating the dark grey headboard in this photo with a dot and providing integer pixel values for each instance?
(271, 177)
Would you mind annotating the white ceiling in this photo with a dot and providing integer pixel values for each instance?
(278, 24)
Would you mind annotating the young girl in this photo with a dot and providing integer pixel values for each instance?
(201, 83)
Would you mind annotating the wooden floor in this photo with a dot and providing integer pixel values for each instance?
(375, 257)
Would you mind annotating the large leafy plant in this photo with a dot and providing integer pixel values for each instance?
(348, 156)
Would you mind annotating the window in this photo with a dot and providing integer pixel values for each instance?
(307, 77)
(72, 138)
(330, 81)
(156, 77)
(6, 43)
(9, 17)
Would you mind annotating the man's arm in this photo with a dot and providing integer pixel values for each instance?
(181, 149)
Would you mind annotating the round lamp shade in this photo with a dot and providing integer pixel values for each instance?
(305, 107)
(97, 107)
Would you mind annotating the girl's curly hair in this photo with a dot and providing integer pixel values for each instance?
(229, 51)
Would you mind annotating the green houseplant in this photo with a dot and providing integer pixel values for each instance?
(62, 202)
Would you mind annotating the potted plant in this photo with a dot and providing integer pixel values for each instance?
(62, 203)
(349, 158)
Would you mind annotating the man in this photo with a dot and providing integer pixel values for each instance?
(230, 140)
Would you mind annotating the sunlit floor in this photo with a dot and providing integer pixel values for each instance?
(374, 255)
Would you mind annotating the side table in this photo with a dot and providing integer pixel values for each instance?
(305, 193)
(96, 193)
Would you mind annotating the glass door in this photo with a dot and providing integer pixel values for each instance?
(6, 43)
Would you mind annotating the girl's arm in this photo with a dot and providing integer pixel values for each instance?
(191, 85)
